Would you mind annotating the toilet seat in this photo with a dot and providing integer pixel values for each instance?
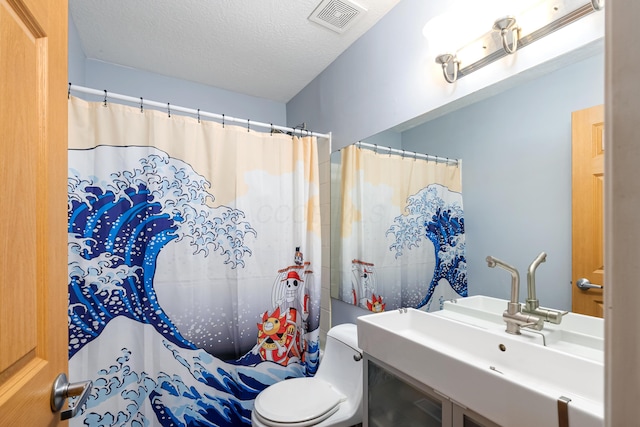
(297, 402)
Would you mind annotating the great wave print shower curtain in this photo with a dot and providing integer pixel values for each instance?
(194, 269)
(401, 240)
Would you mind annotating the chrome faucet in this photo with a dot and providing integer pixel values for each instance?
(532, 306)
(512, 316)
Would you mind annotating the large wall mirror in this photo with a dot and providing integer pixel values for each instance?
(516, 192)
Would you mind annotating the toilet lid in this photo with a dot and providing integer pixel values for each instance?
(297, 399)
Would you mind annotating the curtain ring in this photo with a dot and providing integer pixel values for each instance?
(415, 156)
(375, 150)
(69, 91)
(223, 121)
(403, 154)
(105, 98)
(141, 101)
(198, 115)
(248, 121)
(271, 129)
(169, 109)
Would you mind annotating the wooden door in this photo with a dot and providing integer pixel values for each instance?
(587, 207)
(33, 249)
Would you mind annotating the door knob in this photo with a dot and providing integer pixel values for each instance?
(62, 389)
(585, 284)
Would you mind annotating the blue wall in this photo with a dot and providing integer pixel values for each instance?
(389, 78)
(133, 82)
(516, 177)
(76, 55)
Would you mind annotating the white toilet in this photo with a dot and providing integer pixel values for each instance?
(332, 398)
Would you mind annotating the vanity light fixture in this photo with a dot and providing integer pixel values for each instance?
(508, 25)
(449, 61)
(508, 35)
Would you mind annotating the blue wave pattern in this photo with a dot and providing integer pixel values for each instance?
(193, 389)
(117, 226)
(436, 213)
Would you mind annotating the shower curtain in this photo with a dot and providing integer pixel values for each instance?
(402, 231)
(194, 265)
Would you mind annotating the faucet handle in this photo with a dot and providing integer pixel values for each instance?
(550, 315)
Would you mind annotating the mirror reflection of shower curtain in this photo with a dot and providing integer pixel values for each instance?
(194, 265)
(402, 231)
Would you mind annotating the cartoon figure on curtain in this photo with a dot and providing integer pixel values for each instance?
(139, 205)
(363, 286)
(281, 333)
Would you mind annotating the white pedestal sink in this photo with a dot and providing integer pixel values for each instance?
(503, 377)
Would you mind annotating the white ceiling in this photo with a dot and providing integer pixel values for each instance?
(263, 48)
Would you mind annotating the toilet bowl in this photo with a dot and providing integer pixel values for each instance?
(333, 397)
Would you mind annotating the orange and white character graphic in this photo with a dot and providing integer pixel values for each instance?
(278, 339)
(281, 336)
(376, 305)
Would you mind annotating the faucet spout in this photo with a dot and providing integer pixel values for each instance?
(515, 276)
(532, 301)
(532, 305)
(512, 316)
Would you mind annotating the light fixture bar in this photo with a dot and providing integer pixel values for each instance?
(492, 43)
(563, 21)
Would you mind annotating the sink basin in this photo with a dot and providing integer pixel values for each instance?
(577, 334)
(504, 378)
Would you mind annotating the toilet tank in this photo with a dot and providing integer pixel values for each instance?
(341, 364)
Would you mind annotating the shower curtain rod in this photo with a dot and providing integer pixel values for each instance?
(170, 107)
(410, 154)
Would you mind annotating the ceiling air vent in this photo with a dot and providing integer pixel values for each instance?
(337, 15)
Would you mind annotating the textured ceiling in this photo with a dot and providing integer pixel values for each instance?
(263, 48)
